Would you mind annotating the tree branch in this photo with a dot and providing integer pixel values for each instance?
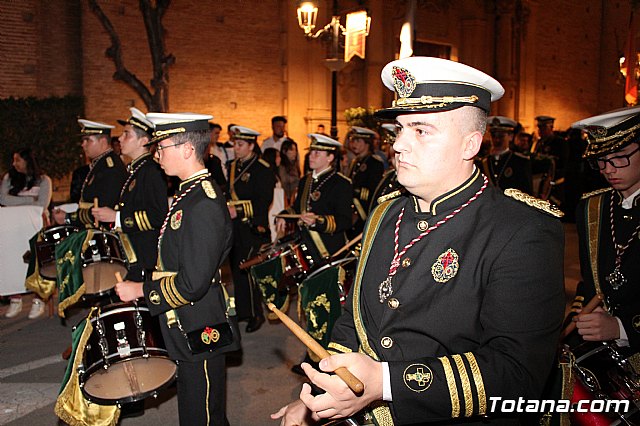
(115, 53)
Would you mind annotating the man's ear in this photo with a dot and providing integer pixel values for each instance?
(472, 144)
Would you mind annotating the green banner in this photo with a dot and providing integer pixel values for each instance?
(269, 277)
(320, 299)
(69, 269)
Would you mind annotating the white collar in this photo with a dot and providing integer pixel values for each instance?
(627, 203)
(317, 174)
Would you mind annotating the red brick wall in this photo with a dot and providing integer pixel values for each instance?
(229, 61)
(39, 48)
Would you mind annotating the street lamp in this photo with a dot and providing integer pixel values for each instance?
(354, 36)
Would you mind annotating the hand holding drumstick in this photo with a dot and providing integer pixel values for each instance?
(128, 291)
(344, 395)
(595, 324)
(354, 384)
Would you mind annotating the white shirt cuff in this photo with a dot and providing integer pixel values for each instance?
(386, 383)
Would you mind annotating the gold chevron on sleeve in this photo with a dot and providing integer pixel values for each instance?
(364, 194)
(165, 292)
(138, 221)
(466, 385)
(477, 378)
(451, 384)
(331, 224)
(176, 294)
(146, 220)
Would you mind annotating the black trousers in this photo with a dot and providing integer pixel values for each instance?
(247, 295)
(201, 392)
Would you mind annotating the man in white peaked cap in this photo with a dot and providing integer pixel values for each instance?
(445, 313)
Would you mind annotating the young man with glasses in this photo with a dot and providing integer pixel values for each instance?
(184, 291)
(608, 222)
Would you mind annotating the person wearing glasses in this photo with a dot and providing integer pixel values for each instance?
(184, 291)
(608, 224)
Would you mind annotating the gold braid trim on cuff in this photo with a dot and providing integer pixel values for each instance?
(451, 384)
(477, 378)
(466, 385)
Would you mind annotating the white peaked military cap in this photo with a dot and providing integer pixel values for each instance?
(139, 120)
(611, 131)
(500, 122)
(426, 84)
(88, 127)
(362, 132)
(169, 124)
(244, 133)
(320, 142)
(389, 127)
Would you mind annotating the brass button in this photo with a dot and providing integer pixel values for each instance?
(393, 303)
(386, 342)
(423, 225)
(406, 262)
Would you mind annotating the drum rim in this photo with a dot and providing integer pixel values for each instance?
(337, 262)
(120, 309)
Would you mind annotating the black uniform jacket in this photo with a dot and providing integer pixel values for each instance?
(597, 257)
(106, 176)
(143, 207)
(476, 307)
(195, 241)
(251, 184)
(329, 196)
(365, 173)
(510, 170)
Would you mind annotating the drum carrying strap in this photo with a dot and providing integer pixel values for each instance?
(126, 245)
(380, 410)
(594, 212)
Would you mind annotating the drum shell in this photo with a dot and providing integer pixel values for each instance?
(103, 373)
(103, 257)
(46, 249)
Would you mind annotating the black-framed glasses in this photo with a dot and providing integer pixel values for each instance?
(160, 148)
(619, 161)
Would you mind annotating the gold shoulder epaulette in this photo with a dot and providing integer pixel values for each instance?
(109, 162)
(521, 155)
(377, 157)
(264, 163)
(389, 196)
(208, 189)
(532, 201)
(596, 192)
(344, 177)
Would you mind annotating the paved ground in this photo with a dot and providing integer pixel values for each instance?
(258, 383)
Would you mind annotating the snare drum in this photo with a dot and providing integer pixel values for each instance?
(46, 249)
(103, 257)
(297, 260)
(125, 359)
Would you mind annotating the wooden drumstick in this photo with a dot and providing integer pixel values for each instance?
(95, 205)
(352, 381)
(289, 216)
(593, 303)
(118, 277)
(349, 244)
